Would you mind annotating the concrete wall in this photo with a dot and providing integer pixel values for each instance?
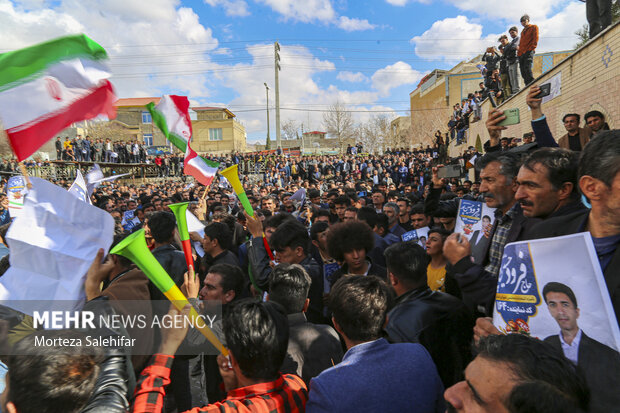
(590, 81)
(233, 136)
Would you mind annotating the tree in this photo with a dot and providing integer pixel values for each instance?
(338, 122)
(375, 134)
(290, 128)
(584, 32)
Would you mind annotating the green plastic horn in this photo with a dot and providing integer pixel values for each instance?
(232, 176)
(179, 210)
(134, 248)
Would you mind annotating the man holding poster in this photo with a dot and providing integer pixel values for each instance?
(599, 181)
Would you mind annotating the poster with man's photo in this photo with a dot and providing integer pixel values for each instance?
(419, 235)
(554, 289)
(475, 221)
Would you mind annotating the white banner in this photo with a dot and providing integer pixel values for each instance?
(52, 246)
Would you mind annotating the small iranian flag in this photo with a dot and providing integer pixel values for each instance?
(47, 87)
(202, 169)
(172, 117)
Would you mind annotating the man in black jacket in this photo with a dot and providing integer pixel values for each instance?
(291, 244)
(312, 348)
(162, 225)
(599, 181)
(438, 321)
(478, 282)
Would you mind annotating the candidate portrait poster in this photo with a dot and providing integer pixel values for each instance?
(16, 191)
(419, 235)
(539, 282)
(475, 221)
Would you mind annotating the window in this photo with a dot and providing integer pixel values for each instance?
(215, 134)
(148, 139)
(146, 117)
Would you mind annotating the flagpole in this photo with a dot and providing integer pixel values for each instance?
(22, 167)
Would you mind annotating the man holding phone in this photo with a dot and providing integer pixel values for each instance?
(575, 138)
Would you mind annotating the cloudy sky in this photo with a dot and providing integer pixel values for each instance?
(367, 54)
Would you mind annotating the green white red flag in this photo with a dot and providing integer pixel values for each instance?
(202, 169)
(47, 87)
(171, 115)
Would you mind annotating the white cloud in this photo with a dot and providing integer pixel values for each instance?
(233, 8)
(511, 11)
(351, 25)
(391, 76)
(310, 11)
(304, 11)
(351, 77)
(401, 3)
(557, 32)
(453, 39)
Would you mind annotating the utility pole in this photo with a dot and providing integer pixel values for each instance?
(267, 142)
(276, 47)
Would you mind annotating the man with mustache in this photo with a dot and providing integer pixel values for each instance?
(518, 373)
(478, 282)
(548, 184)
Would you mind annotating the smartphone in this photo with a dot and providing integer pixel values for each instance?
(512, 117)
(492, 99)
(545, 90)
(450, 171)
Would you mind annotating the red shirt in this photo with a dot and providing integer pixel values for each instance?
(288, 393)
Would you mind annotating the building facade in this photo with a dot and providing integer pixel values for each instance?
(432, 101)
(215, 130)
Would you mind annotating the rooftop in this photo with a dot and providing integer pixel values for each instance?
(135, 102)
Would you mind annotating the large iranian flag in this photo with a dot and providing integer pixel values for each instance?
(202, 169)
(47, 87)
(171, 115)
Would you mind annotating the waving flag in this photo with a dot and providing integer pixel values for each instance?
(47, 87)
(172, 117)
(203, 170)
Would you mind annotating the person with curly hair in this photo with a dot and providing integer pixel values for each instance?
(349, 244)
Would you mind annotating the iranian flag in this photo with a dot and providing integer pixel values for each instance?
(47, 87)
(202, 169)
(172, 117)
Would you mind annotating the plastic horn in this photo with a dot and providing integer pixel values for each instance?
(179, 212)
(134, 248)
(232, 176)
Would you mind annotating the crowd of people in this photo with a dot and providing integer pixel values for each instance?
(500, 69)
(326, 306)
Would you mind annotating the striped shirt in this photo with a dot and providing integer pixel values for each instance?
(500, 235)
(287, 394)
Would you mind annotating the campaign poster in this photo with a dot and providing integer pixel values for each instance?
(16, 191)
(475, 221)
(555, 286)
(419, 235)
(130, 220)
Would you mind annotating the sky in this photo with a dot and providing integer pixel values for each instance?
(367, 55)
